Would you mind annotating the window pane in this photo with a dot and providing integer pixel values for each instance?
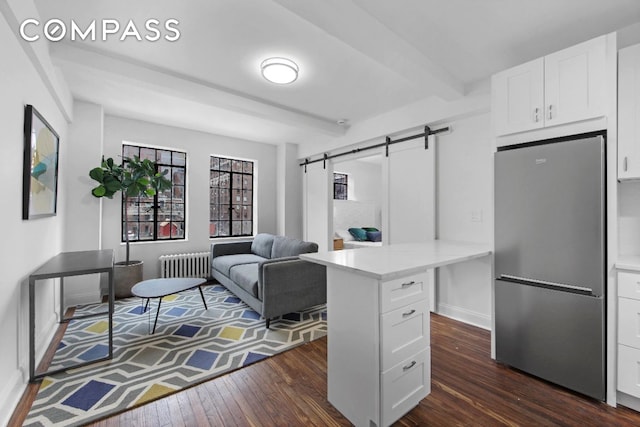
(237, 228)
(133, 232)
(148, 153)
(130, 151)
(177, 230)
(247, 227)
(178, 193)
(214, 212)
(237, 196)
(247, 182)
(179, 159)
(214, 193)
(146, 231)
(236, 165)
(213, 229)
(223, 228)
(236, 212)
(177, 176)
(225, 197)
(247, 197)
(247, 167)
(225, 164)
(225, 180)
(215, 163)
(164, 230)
(163, 157)
(247, 212)
(224, 212)
(237, 180)
(214, 179)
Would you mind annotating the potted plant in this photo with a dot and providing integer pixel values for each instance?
(133, 178)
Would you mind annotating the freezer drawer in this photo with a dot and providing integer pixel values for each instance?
(558, 336)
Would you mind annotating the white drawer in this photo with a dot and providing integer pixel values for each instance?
(628, 285)
(404, 332)
(399, 292)
(629, 322)
(629, 370)
(405, 385)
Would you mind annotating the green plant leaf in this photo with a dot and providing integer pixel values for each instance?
(110, 162)
(97, 174)
(99, 191)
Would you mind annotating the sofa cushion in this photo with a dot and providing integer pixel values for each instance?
(288, 246)
(224, 263)
(262, 245)
(246, 276)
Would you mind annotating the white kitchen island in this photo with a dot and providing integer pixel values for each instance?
(379, 355)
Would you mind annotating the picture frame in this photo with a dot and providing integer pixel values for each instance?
(40, 170)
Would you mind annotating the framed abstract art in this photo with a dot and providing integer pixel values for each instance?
(40, 176)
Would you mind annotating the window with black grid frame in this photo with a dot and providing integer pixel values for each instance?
(340, 186)
(231, 197)
(161, 217)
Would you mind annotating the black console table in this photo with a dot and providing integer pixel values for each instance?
(64, 265)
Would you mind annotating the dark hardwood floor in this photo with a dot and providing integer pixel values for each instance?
(468, 389)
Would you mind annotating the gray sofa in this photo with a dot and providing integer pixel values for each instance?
(268, 275)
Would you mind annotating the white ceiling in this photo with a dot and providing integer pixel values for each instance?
(357, 58)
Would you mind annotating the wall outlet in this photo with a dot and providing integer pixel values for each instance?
(476, 215)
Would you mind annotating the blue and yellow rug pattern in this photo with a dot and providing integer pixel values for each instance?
(190, 345)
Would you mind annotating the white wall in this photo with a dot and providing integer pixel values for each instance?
(199, 146)
(26, 244)
(289, 191)
(364, 181)
(465, 212)
(82, 217)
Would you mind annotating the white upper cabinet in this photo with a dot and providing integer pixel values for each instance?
(629, 113)
(564, 87)
(518, 98)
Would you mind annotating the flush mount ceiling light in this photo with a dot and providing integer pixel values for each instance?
(279, 70)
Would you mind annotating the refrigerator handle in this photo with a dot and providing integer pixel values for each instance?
(544, 283)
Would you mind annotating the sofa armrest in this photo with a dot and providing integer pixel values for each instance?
(230, 248)
(283, 279)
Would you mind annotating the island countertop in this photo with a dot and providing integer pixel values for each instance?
(392, 261)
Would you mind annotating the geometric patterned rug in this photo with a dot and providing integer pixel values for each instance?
(190, 345)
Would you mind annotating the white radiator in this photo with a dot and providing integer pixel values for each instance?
(185, 265)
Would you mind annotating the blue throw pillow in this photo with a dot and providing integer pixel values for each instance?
(358, 233)
(374, 236)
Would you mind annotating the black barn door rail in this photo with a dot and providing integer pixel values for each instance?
(388, 141)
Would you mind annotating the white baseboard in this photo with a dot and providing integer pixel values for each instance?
(10, 395)
(467, 316)
(628, 401)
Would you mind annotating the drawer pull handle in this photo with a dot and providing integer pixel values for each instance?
(409, 366)
(407, 284)
(408, 313)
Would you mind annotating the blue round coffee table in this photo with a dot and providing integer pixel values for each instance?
(159, 288)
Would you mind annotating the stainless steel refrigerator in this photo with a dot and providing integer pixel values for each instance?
(550, 255)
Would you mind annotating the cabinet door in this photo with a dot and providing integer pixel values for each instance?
(629, 112)
(574, 85)
(517, 98)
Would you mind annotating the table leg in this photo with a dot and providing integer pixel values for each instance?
(202, 295)
(157, 313)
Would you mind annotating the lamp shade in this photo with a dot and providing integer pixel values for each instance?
(279, 70)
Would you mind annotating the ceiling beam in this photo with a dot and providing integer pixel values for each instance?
(353, 26)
